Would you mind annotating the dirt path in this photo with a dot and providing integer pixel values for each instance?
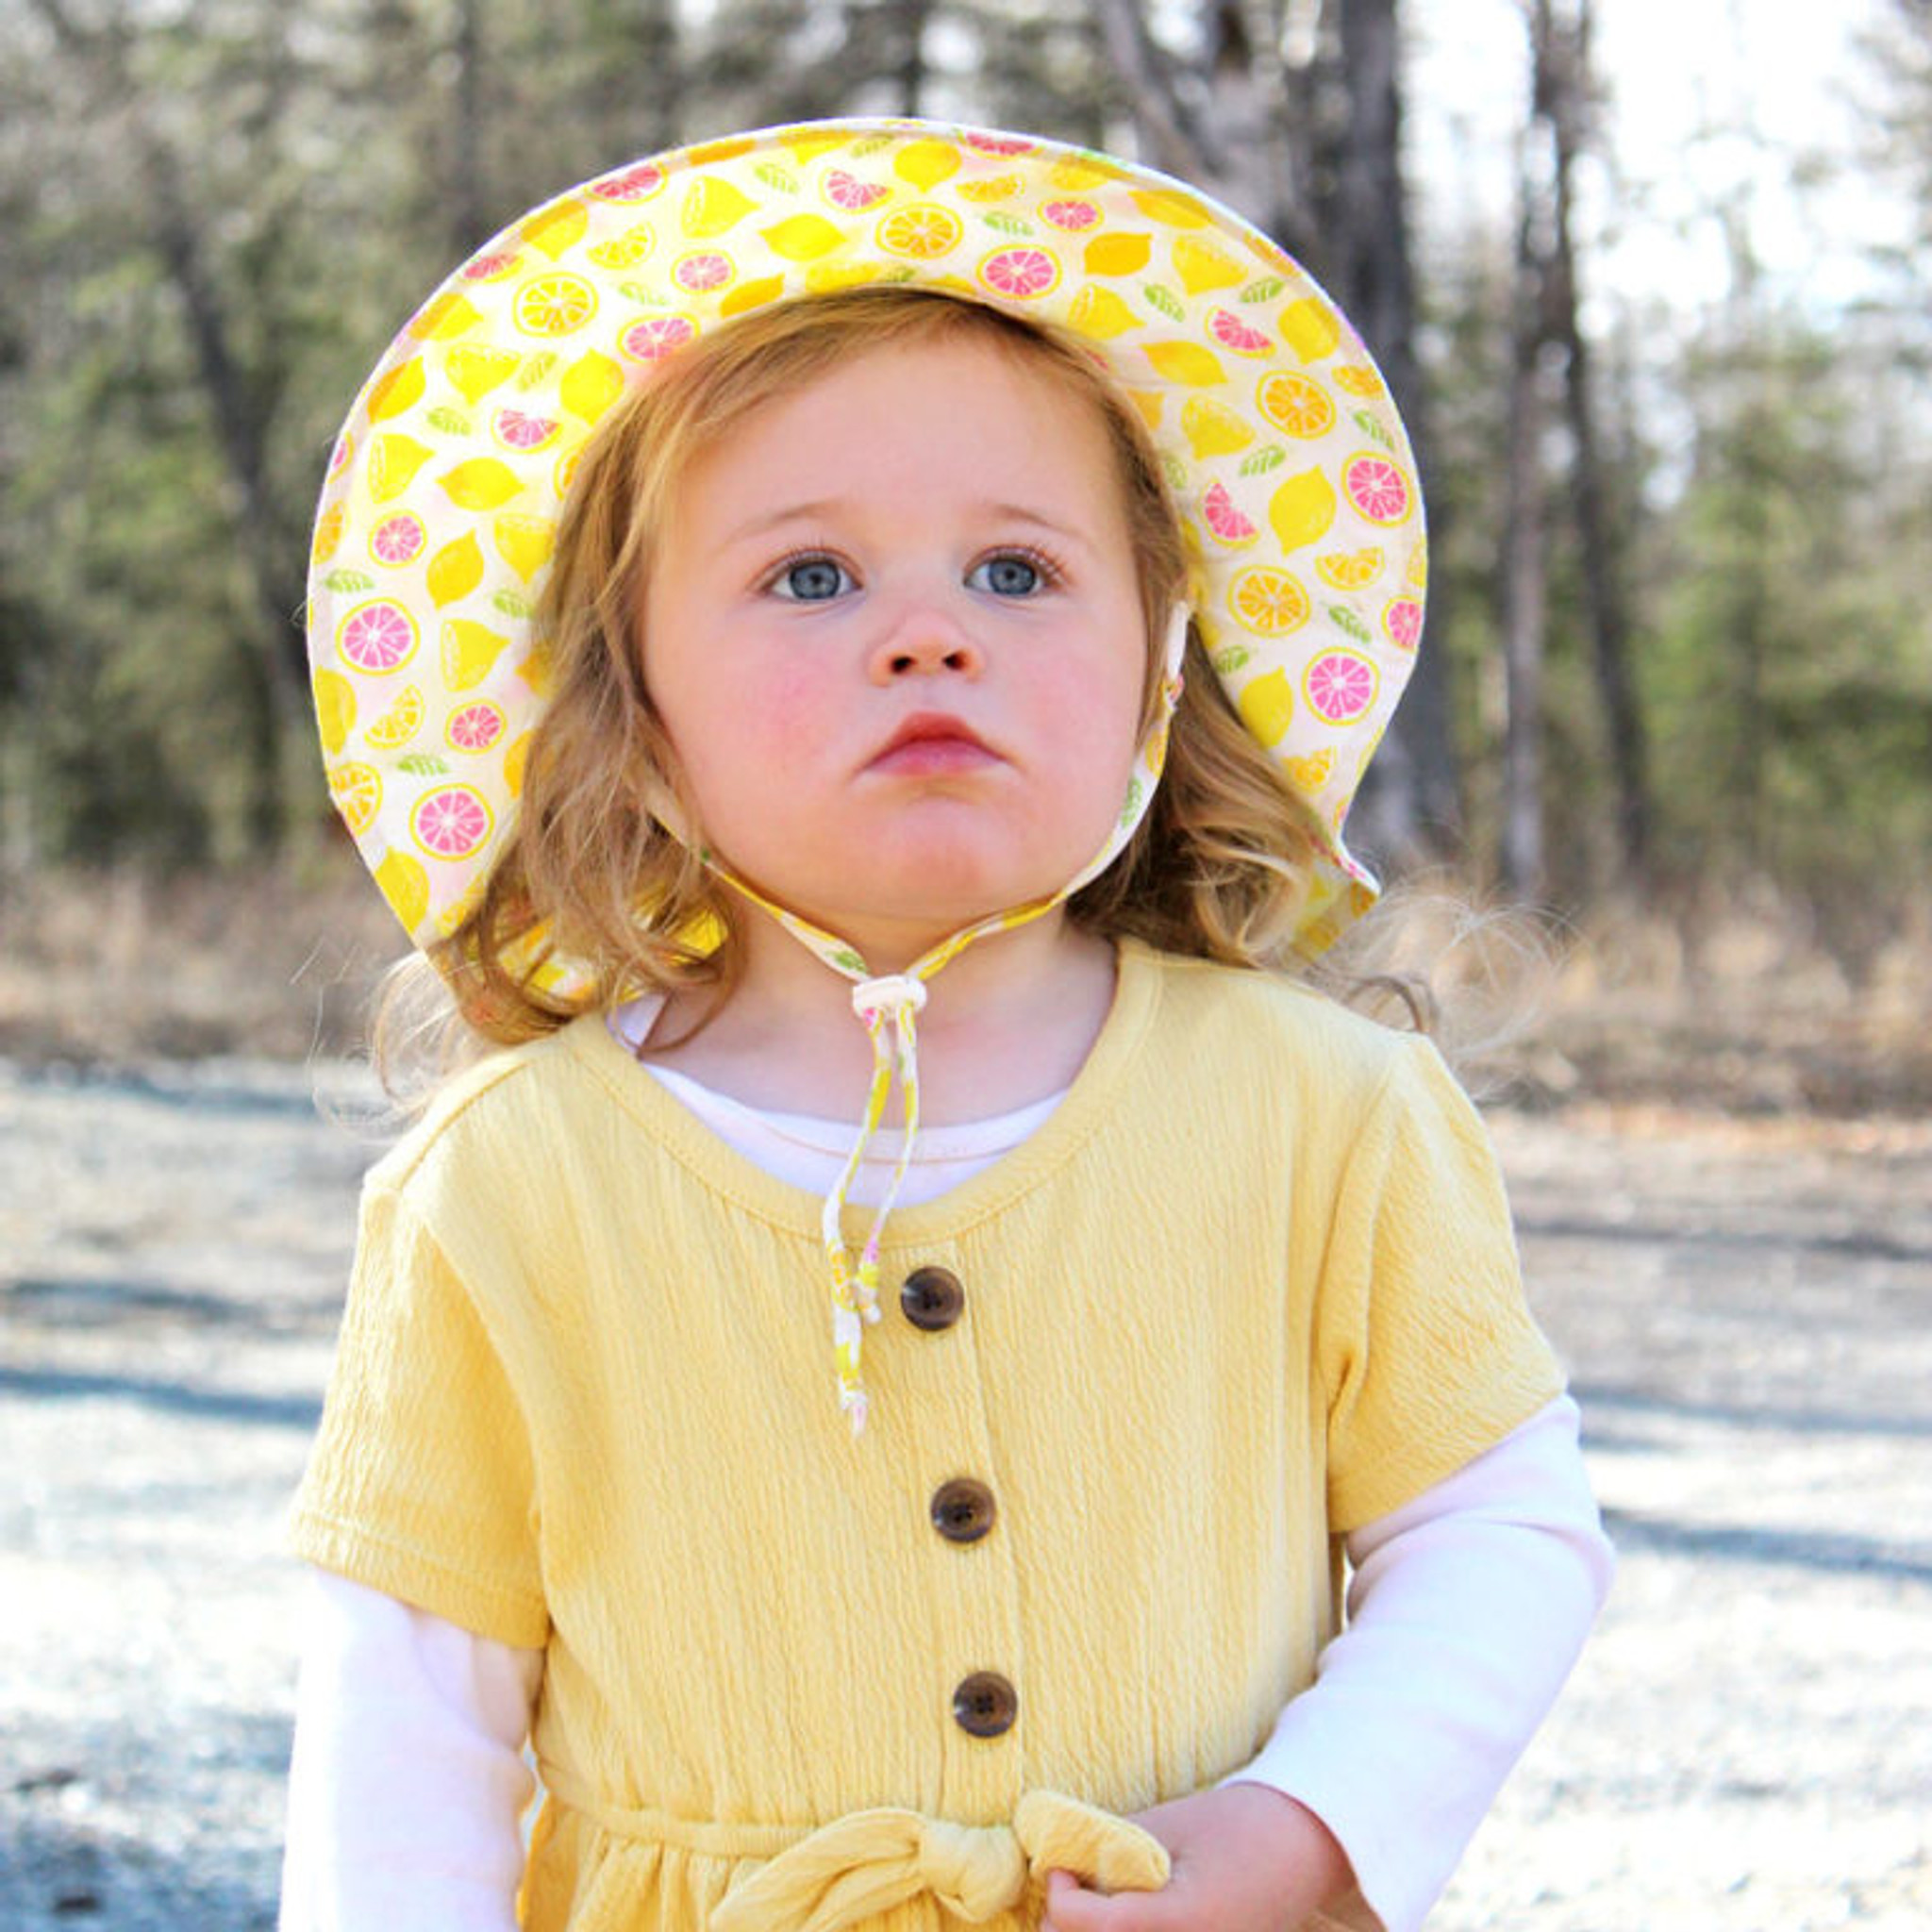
(1747, 1309)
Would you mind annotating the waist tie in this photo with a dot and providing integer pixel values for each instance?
(869, 1862)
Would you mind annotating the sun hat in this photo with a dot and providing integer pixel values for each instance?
(1282, 446)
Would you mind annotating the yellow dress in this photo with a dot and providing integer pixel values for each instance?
(1251, 1286)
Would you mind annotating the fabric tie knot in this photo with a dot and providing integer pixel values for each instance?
(869, 1862)
(890, 996)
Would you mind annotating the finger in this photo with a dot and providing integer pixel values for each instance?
(1071, 1906)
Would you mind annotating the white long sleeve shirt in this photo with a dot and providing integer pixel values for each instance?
(1466, 1610)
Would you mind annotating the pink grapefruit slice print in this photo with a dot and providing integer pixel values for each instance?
(645, 341)
(520, 430)
(378, 636)
(1340, 686)
(1378, 488)
(998, 145)
(702, 270)
(1223, 520)
(1070, 215)
(849, 193)
(451, 822)
(1402, 622)
(398, 538)
(475, 727)
(1231, 332)
(637, 183)
(1020, 274)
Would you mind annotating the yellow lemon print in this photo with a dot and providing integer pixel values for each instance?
(590, 385)
(556, 230)
(1267, 706)
(1312, 329)
(403, 883)
(1118, 255)
(469, 649)
(482, 483)
(1212, 429)
(1202, 266)
(1186, 362)
(1302, 510)
(1174, 210)
(1098, 311)
(335, 709)
(803, 237)
(926, 163)
(400, 389)
(711, 206)
(524, 543)
(746, 297)
(474, 372)
(393, 460)
(514, 760)
(455, 570)
(448, 316)
(328, 531)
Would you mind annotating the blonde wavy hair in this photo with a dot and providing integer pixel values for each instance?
(1218, 869)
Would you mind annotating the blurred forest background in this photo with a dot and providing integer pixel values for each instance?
(1680, 663)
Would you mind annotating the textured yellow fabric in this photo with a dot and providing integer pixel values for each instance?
(1250, 1286)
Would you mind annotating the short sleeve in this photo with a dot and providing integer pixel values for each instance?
(1426, 1349)
(421, 1482)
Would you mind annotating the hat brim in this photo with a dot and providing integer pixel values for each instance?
(1283, 447)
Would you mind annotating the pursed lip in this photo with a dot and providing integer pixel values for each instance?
(932, 740)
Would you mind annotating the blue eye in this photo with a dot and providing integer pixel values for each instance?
(811, 579)
(1012, 573)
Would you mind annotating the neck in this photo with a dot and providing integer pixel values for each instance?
(1006, 1021)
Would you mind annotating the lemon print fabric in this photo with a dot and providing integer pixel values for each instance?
(437, 516)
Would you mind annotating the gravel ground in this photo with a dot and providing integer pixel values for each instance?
(1746, 1306)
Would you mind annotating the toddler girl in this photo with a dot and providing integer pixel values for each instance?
(910, 607)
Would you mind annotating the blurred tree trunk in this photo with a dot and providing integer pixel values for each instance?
(270, 668)
(1410, 807)
(1566, 49)
(1313, 153)
(1525, 566)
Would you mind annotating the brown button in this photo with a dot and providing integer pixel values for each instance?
(932, 1297)
(962, 1509)
(984, 1704)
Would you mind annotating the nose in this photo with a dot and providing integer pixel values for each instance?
(924, 639)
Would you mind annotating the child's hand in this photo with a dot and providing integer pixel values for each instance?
(1245, 1859)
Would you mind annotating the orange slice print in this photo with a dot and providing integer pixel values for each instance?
(924, 231)
(1269, 603)
(1296, 404)
(555, 305)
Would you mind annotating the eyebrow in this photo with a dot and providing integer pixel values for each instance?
(821, 507)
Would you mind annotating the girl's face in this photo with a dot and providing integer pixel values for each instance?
(894, 630)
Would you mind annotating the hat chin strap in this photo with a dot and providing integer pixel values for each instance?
(888, 1005)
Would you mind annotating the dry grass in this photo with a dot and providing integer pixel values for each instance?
(1737, 1005)
(118, 966)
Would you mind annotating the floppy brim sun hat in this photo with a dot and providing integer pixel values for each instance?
(1283, 449)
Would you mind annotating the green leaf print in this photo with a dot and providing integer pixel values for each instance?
(421, 764)
(1229, 660)
(1165, 300)
(1365, 421)
(451, 421)
(1264, 291)
(348, 580)
(1007, 224)
(773, 176)
(1270, 455)
(1345, 619)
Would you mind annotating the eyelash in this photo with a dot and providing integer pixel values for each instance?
(1052, 570)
